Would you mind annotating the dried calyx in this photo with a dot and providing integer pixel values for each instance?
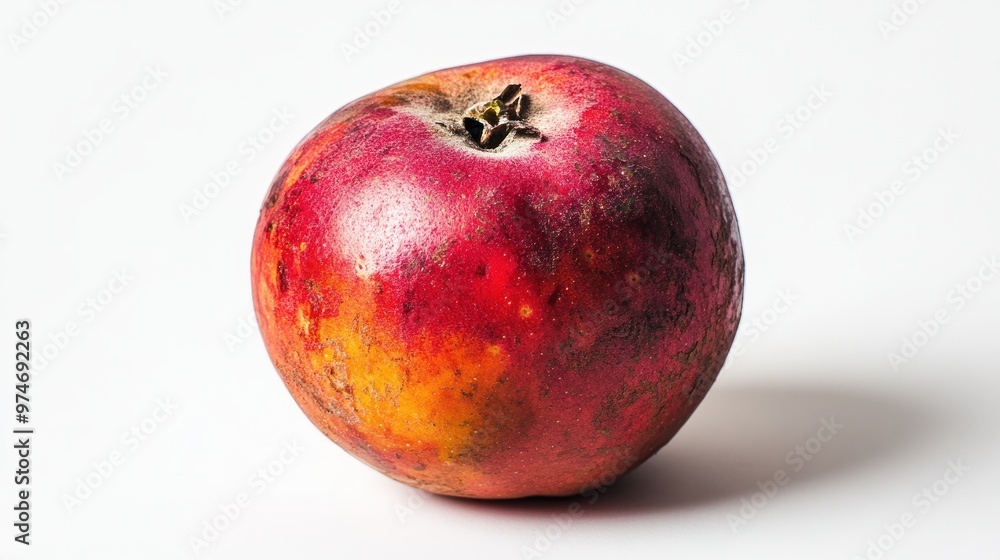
(489, 123)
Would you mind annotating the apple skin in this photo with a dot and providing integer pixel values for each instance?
(536, 319)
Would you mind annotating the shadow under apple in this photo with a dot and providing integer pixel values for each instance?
(743, 434)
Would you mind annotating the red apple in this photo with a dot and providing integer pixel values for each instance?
(506, 279)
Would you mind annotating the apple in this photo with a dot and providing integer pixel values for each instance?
(508, 279)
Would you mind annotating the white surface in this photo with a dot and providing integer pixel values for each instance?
(165, 335)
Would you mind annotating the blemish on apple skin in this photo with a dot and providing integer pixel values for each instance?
(276, 185)
(554, 296)
(282, 277)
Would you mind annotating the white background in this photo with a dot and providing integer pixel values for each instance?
(178, 330)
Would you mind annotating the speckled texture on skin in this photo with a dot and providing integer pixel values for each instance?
(505, 323)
